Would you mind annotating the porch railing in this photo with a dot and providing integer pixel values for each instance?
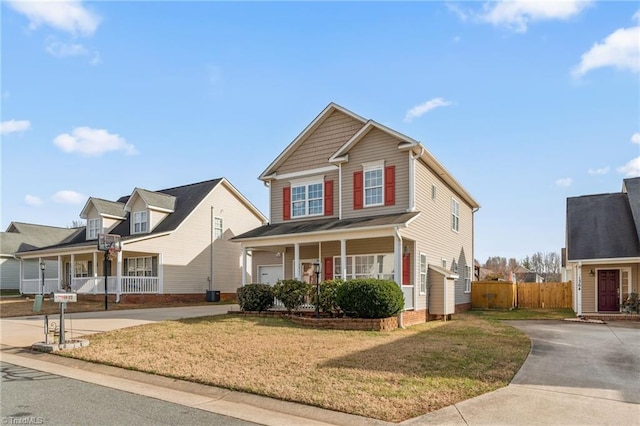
(34, 286)
(137, 285)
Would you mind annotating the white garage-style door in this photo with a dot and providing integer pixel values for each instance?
(269, 274)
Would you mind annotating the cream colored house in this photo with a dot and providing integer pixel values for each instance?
(174, 241)
(603, 249)
(353, 198)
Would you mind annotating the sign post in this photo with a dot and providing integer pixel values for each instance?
(110, 244)
(62, 299)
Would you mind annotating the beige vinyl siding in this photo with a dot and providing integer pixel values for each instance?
(589, 285)
(376, 145)
(315, 151)
(108, 224)
(9, 274)
(186, 252)
(432, 229)
(276, 197)
(155, 217)
(435, 290)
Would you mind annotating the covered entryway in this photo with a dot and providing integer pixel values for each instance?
(269, 274)
(608, 290)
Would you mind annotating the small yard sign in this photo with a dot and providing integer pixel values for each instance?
(65, 297)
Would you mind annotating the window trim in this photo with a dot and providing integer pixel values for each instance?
(306, 183)
(455, 215)
(135, 221)
(146, 260)
(444, 264)
(467, 279)
(94, 229)
(371, 167)
(218, 232)
(353, 275)
(423, 274)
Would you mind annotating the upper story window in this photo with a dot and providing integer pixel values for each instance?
(455, 215)
(93, 228)
(307, 199)
(218, 228)
(140, 222)
(373, 185)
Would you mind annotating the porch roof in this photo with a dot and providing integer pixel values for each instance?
(331, 224)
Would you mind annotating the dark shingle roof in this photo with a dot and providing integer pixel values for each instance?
(29, 236)
(109, 208)
(157, 199)
(332, 224)
(601, 227)
(187, 197)
(632, 186)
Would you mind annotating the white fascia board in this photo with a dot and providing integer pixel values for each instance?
(110, 216)
(84, 212)
(145, 237)
(127, 206)
(320, 118)
(59, 252)
(606, 260)
(320, 236)
(160, 209)
(304, 173)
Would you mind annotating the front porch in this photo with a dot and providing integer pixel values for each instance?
(84, 273)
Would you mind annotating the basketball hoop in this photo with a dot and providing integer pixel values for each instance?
(113, 252)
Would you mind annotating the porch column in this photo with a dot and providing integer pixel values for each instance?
(118, 274)
(397, 258)
(244, 266)
(343, 258)
(160, 274)
(60, 272)
(296, 262)
(21, 269)
(72, 269)
(95, 271)
(320, 264)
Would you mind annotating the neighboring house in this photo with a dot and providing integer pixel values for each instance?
(603, 248)
(173, 242)
(524, 275)
(25, 236)
(362, 200)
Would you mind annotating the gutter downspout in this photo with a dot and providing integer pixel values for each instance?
(398, 274)
(412, 178)
(340, 191)
(212, 241)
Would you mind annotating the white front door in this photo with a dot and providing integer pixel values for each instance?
(269, 274)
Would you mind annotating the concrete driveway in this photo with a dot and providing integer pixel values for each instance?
(575, 374)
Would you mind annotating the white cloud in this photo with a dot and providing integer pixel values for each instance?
(69, 16)
(600, 171)
(635, 138)
(92, 142)
(61, 49)
(32, 200)
(621, 49)
(420, 110)
(517, 14)
(68, 197)
(14, 126)
(631, 169)
(564, 182)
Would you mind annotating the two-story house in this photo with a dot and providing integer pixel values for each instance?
(174, 242)
(354, 198)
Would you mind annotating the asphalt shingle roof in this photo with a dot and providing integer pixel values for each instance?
(29, 236)
(110, 208)
(157, 199)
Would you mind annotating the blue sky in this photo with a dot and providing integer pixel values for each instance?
(526, 103)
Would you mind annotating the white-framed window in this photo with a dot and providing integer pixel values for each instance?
(93, 228)
(140, 222)
(366, 266)
(140, 266)
(444, 263)
(83, 268)
(455, 215)
(423, 273)
(374, 184)
(467, 279)
(307, 199)
(454, 266)
(218, 228)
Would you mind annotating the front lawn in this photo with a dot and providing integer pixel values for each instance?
(390, 376)
(523, 314)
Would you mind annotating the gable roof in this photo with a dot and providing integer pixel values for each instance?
(153, 200)
(104, 208)
(602, 227)
(330, 109)
(27, 236)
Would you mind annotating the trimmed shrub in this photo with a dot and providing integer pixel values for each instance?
(370, 298)
(328, 291)
(255, 297)
(292, 293)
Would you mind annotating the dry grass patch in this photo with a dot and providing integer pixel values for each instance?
(391, 376)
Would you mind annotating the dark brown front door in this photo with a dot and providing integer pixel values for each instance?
(608, 285)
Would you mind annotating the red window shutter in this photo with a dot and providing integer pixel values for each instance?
(328, 198)
(328, 268)
(286, 203)
(389, 185)
(406, 269)
(358, 190)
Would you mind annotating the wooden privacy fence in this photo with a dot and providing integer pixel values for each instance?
(506, 295)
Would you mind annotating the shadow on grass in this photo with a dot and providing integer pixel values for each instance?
(278, 322)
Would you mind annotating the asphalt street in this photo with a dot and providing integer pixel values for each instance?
(35, 397)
